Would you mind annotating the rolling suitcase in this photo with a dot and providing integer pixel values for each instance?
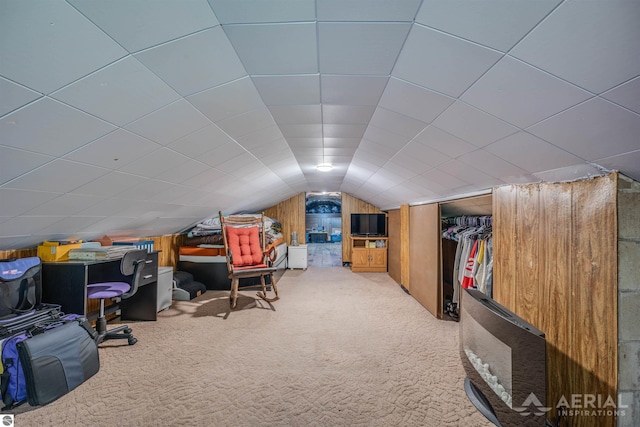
(47, 361)
(58, 359)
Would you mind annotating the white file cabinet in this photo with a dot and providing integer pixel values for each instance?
(297, 257)
(165, 287)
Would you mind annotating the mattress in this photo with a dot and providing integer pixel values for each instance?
(217, 254)
(210, 268)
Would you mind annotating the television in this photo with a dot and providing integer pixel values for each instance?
(504, 358)
(368, 224)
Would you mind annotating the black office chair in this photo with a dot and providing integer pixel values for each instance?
(132, 264)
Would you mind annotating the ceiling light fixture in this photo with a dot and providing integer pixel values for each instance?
(324, 167)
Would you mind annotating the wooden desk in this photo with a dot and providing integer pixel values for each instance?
(65, 283)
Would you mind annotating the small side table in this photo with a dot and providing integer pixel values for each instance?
(297, 257)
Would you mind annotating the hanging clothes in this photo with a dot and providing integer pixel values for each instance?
(474, 255)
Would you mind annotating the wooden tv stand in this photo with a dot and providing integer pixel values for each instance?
(366, 257)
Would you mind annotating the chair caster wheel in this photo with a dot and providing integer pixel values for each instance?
(127, 330)
(132, 341)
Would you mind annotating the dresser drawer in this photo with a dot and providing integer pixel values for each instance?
(150, 271)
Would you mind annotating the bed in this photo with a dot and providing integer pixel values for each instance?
(203, 253)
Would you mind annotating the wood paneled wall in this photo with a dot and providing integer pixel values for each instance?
(555, 265)
(398, 257)
(291, 213)
(19, 253)
(425, 262)
(351, 205)
(394, 260)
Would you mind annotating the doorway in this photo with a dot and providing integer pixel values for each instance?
(323, 223)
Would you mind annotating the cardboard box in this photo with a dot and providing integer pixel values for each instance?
(56, 251)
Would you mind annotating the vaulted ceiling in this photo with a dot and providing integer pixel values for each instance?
(142, 117)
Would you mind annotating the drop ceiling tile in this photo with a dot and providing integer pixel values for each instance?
(296, 114)
(109, 185)
(154, 163)
(239, 11)
(201, 141)
(57, 176)
(142, 24)
(522, 95)
(288, 90)
(407, 170)
(444, 142)
(267, 147)
(629, 163)
(304, 142)
(414, 101)
(367, 10)
(247, 123)
(498, 24)
(194, 63)
(181, 172)
(343, 130)
(170, 123)
(210, 177)
(360, 48)
(473, 125)
(626, 95)
(302, 131)
(114, 150)
(17, 202)
(51, 45)
(386, 138)
(49, 127)
(443, 63)
(592, 44)
(222, 154)
(283, 48)
(269, 135)
(352, 90)
(235, 165)
(491, 164)
(65, 205)
(384, 179)
(119, 93)
(531, 153)
(25, 225)
(339, 151)
(14, 96)
(347, 114)
(420, 157)
(71, 224)
(477, 179)
(115, 225)
(141, 191)
(302, 152)
(227, 100)
(397, 123)
(592, 130)
(437, 181)
(14, 162)
(341, 142)
(372, 155)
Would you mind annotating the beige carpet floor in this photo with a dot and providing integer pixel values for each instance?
(338, 349)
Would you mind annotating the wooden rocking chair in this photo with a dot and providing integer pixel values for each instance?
(247, 256)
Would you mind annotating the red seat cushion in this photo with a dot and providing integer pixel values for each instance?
(244, 243)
